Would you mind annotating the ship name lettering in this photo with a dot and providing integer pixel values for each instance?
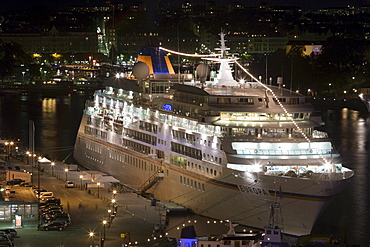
(253, 190)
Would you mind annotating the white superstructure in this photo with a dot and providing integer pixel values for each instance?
(223, 150)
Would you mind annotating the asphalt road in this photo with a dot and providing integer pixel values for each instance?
(135, 215)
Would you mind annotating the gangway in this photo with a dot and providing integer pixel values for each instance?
(156, 177)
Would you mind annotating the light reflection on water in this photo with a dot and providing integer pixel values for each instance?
(348, 215)
(57, 120)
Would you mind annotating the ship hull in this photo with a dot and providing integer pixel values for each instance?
(238, 196)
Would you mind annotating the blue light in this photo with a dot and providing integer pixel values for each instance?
(167, 107)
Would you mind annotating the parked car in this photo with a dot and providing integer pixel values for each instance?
(25, 184)
(15, 181)
(61, 217)
(46, 195)
(10, 231)
(36, 191)
(50, 210)
(52, 200)
(44, 205)
(53, 226)
(6, 233)
(6, 243)
(69, 184)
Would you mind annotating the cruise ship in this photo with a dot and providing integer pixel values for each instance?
(221, 147)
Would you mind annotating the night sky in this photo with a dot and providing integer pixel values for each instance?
(304, 4)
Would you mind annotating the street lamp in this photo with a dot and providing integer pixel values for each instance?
(98, 188)
(110, 216)
(8, 144)
(52, 168)
(104, 223)
(33, 160)
(81, 181)
(91, 235)
(114, 206)
(66, 171)
(114, 193)
(28, 155)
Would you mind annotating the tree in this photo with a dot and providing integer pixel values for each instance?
(11, 54)
(342, 62)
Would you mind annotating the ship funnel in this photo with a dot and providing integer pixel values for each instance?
(156, 59)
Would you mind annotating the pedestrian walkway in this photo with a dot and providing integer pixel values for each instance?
(126, 219)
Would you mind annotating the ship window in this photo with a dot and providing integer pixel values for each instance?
(181, 179)
(294, 101)
(203, 188)
(223, 100)
(207, 169)
(211, 171)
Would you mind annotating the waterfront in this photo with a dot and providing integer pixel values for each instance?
(57, 119)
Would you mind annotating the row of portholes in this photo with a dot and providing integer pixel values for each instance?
(203, 169)
(94, 159)
(192, 183)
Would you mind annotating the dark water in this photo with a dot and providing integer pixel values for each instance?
(57, 119)
(348, 216)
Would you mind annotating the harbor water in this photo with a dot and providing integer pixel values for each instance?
(56, 120)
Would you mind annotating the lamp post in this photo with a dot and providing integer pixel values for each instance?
(91, 235)
(81, 181)
(28, 157)
(33, 160)
(113, 206)
(8, 144)
(38, 178)
(104, 223)
(98, 188)
(66, 171)
(110, 216)
(52, 168)
(114, 193)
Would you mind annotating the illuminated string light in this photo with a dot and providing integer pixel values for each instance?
(189, 55)
(281, 105)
